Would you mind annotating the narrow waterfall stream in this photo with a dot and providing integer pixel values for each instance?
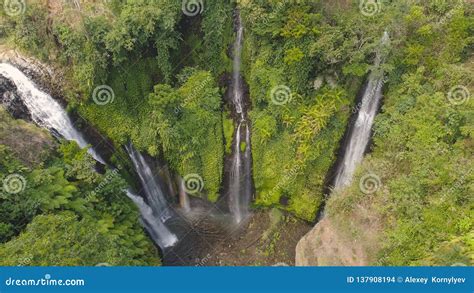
(44, 110)
(157, 229)
(240, 182)
(157, 211)
(359, 136)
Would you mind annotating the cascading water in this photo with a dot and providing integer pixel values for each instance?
(47, 113)
(156, 212)
(236, 78)
(240, 185)
(360, 135)
(157, 230)
(44, 110)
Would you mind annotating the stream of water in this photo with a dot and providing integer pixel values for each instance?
(359, 137)
(44, 110)
(48, 113)
(158, 210)
(240, 185)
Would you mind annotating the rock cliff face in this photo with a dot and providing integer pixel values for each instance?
(324, 245)
(344, 238)
(46, 77)
(11, 101)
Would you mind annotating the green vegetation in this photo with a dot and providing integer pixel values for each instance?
(423, 209)
(56, 214)
(288, 48)
(304, 63)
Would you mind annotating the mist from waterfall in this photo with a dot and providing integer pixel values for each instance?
(240, 185)
(156, 210)
(44, 110)
(361, 132)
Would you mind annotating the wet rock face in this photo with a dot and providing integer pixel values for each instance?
(11, 101)
(46, 77)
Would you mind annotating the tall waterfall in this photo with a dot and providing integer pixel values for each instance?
(44, 110)
(360, 135)
(236, 77)
(156, 212)
(240, 185)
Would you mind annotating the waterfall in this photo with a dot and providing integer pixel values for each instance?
(359, 137)
(157, 230)
(153, 190)
(240, 185)
(44, 110)
(47, 113)
(236, 78)
(234, 190)
(156, 212)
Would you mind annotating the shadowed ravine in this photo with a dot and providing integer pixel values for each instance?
(185, 235)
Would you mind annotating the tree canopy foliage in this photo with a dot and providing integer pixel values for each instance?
(168, 73)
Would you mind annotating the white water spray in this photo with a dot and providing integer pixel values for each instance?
(156, 212)
(240, 185)
(360, 135)
(44, 110)
(157, 230)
